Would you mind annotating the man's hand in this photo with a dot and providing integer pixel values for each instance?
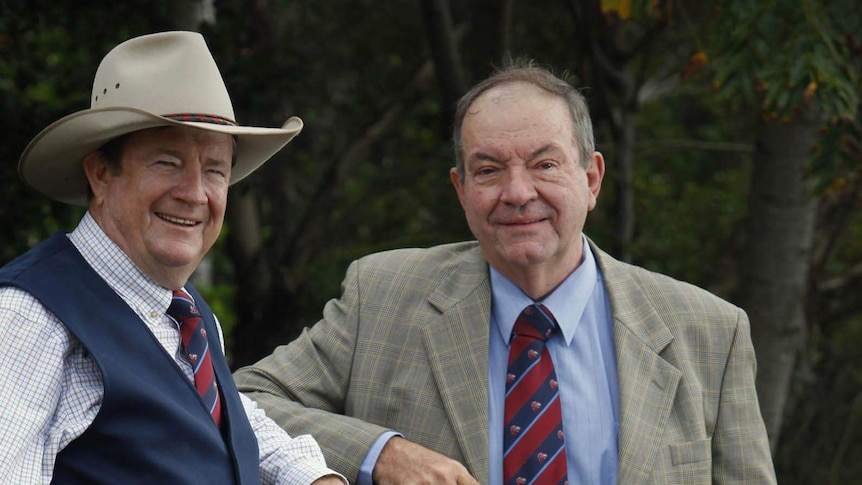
(403, 462)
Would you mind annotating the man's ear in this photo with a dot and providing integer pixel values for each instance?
(96, 169)
(456, 182)
(595, 173)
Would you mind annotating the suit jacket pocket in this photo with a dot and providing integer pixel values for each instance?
(691, 452)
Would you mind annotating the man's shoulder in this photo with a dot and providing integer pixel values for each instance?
(40, 253)
(452, 253)
(462, 260)
(22, 303)
(663, 290)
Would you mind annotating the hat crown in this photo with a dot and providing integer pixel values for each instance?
(165, 73)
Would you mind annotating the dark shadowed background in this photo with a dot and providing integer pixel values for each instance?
(729, 128)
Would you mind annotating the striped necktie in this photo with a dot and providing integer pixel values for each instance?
(196, 348)
(534, 451)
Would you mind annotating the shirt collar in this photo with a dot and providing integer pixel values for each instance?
(567, 302)
(116, 268)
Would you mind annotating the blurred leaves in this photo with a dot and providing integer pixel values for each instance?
(818, 60)
(622, 9)
(815, 55)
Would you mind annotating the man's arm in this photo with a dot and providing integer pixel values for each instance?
(284, 459)
(740, 446)
(31, 381)
(303, 386)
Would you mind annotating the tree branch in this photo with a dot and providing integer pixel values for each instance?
(447, 60)
(302, 243)
(838, 297)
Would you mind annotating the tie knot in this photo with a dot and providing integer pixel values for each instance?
(182, 306)
(535, 321)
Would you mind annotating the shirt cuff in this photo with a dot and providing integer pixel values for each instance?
(308, 473)
(370, 461)
(308, 468)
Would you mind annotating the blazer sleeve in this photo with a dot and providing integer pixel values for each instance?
(740, 444)
(303, 385)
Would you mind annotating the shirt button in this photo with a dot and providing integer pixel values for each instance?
(154, 314)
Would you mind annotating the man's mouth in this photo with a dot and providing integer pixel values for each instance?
(521, 222)
(176, 220)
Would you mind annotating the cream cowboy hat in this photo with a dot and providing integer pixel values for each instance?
(163, 79)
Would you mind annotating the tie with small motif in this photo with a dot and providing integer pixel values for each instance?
(196, 347)
(534, 451)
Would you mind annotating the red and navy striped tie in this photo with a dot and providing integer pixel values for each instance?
(196, 347)
(534, 451)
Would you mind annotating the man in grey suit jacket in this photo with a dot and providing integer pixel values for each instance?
(402, 379)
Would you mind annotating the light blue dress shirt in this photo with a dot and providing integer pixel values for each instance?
(586, 368)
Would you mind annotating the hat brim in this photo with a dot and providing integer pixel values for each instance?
(53, 161)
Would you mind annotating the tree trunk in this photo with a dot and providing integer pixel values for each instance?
(489, 38)
(253, 277)
(616, 97)
(442, 40)
(776, 256)
(624, 203)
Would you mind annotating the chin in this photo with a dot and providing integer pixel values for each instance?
(180, 259)
(528, 254)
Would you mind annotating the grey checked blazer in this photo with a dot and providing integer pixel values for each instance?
(406, 348)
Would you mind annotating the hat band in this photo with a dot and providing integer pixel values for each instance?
(202, 118)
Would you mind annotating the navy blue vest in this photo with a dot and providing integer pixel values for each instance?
(152, 426)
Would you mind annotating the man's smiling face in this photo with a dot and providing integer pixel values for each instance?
(525, 192)
(165, 205)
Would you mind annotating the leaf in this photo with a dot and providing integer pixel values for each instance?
(622, 9)
(799, 69)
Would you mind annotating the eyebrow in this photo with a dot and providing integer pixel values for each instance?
(544, 150)
(482, 157)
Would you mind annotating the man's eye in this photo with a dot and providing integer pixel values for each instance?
(219, 173)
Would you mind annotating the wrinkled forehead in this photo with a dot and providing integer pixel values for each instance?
(517, 102)
(517, 107)
(514, 91)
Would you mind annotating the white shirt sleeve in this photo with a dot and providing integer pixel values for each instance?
(32, 353)
(283, 459)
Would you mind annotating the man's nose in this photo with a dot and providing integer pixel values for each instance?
(190, 186)
(519, 188)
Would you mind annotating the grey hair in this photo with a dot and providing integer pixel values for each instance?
(523, 70)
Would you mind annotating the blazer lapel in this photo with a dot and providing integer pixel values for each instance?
(648, 383)
(457, 346)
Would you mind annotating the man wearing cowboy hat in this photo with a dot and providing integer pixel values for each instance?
(112, 368)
